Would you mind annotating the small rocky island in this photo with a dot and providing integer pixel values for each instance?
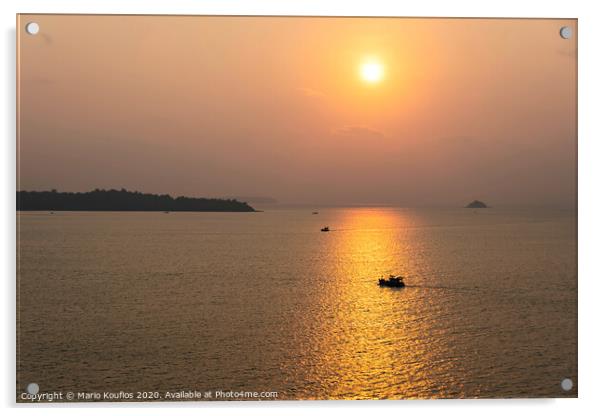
(122, 200)
(477, 204)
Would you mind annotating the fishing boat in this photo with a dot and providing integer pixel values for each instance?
(392, 281)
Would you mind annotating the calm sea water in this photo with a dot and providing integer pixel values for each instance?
(266, 302)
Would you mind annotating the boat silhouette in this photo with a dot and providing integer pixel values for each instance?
(325, 229)
(392, 281)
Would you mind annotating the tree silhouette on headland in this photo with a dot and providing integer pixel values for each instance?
(122, 200)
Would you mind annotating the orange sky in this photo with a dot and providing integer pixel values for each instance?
(222, 106)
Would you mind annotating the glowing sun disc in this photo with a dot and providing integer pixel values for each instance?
(371, 72)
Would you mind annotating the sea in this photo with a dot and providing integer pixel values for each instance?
(264, 306)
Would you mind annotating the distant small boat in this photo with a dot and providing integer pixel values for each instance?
(166, 212)
(325, 229)
(314, 213)
(392, 281)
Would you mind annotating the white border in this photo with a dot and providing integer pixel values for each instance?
(590, 180)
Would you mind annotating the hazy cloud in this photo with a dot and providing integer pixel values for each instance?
(309, 92)
(357, 132)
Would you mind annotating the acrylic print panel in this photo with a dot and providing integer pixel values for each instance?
(292, 208)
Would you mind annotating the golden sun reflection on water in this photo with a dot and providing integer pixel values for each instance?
(376, 343)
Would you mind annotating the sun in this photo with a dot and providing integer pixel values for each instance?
(372, 71)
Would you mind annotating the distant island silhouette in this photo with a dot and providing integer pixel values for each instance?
(477, 204)
(256, 199)
(122, 200)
